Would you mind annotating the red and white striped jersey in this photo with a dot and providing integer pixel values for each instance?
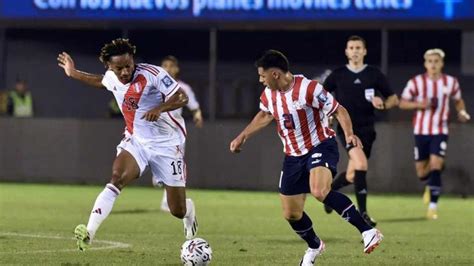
(150, 86)
(301, 114)
(434, 120)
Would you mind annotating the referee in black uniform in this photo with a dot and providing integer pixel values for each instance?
(357, 87)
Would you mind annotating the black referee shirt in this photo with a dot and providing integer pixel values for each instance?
(354, 90)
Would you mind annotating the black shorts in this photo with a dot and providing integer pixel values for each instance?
(366, 135)
(430, 144)
(294, 177)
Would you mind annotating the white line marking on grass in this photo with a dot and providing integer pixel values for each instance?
(110, 244)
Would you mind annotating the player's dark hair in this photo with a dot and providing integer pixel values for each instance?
(118, 46)
(357, 38)
(273, 58)
(170, 58)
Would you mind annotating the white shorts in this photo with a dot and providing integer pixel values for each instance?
(166, 162)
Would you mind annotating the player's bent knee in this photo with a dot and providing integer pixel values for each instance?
(292, 215)
(361, 165)
(436, 165)
(178, 212)
(320, 193)
(119, 179)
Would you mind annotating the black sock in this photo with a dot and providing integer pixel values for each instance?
(304, 228)
(435, 185)
(340, 181)
(360, 188)
(344, 206)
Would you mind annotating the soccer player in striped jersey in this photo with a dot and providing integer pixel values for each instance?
(428, 94)
(301, 108)
(171, 65)
(154, 137)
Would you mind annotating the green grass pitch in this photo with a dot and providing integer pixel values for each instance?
(243, 228)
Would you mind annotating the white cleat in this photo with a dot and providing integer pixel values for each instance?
(372, 239)
(190, 222)
(311, 254)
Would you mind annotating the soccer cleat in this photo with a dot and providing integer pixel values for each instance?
(426, 195)
(327, 209)
(432, 214)
(372, 239)
(368, 219)
(311, 254)
(190, 223)
(82, 236)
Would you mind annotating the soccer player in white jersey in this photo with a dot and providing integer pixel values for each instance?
(171, 65)
(429, 95)
(154, 137)
(301, 108)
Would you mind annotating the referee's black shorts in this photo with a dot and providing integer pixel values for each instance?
(366, 134)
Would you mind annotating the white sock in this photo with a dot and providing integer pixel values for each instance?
(189, 207)
(164, 201)
(102, 207)
(433, 206)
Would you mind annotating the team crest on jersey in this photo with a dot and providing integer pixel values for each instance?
(167, 81)
(322, 97)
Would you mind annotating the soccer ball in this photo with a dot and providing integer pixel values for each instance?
(196, 252)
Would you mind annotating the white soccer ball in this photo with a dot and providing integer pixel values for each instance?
(196, 252)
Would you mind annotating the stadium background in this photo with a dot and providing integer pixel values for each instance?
(72, 141)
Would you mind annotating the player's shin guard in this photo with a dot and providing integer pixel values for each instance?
(360, 187)
(435, 185)
(340, 181)
(304, 228)
(102, 207)
(344, 206)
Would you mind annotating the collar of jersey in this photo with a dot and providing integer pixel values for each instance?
(291, 86)
(356, 71)
(117, 80)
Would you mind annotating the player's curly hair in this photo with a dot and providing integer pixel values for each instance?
(118, 46)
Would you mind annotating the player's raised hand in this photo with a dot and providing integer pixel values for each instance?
(235, 145)
(354, 141)
(65, 61)
(378, 103)
(152, 115)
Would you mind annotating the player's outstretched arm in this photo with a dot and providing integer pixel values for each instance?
(65, 62)
(345, 122)
(261, 120)
(412, 105)
(177, 100)
(460, 106)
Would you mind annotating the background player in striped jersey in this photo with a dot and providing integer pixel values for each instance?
(153, 137)
(171, 65)
(301, 108)
(429, 95)
(360, 88)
